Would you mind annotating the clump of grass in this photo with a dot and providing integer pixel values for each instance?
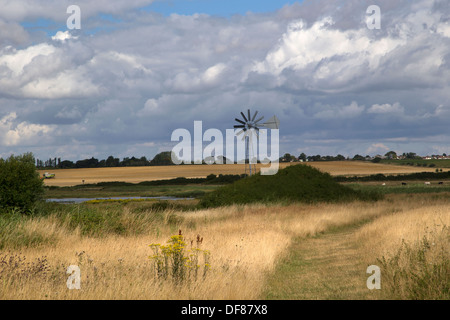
(14, 231)
(420, 271)
(173, 261)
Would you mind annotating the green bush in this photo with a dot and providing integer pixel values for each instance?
(20, 184)
(299, 183)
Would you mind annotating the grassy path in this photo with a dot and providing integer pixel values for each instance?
(326, 266)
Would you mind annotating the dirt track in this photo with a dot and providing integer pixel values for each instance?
(70, 177)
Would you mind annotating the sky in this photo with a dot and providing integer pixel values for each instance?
(138, 70)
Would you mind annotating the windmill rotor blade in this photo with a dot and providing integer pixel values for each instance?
(248, 112)
(248, 133)
(259, 120)
(240, 121)
(244, 117)
(239, 126)
(254, 116)
(240, 132)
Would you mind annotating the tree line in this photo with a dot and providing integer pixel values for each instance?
(165, 159)
(161, 159)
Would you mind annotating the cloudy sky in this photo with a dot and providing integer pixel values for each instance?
(139, 69)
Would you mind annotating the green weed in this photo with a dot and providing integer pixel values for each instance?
(175, 262)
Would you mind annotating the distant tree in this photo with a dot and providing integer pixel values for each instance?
(359, 157)
(112, 162)
(87, 163)
(66, 164)
(20, 184)
(134, 162)
(143, 160)
(315, 158)
(410, 155)
(339, 157)
(302, 156)
(376, 160)
(130, 162)
(162, 159)
(391, 155)
(287, 158)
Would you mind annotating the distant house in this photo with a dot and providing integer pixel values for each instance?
(436, 157)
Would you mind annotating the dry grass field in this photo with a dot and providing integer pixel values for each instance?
(71, 177)
(246, 243)
(410, 232)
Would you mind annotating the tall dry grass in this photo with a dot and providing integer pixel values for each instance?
(245, 244)
(412, 248)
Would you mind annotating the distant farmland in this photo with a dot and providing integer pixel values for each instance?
(436, 163)
(71, 177)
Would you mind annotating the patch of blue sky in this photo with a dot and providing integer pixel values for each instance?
(49, 26)
(225, 8)
(101, 23)
(109, 18)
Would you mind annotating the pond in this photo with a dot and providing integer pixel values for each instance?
(81, 200)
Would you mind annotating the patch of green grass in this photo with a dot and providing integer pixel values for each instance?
(93, 220)
(416, 176)
(13, 233)
(129, 190)
(111, 218)
(397, 189)
(316, 268)
(438, 163)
